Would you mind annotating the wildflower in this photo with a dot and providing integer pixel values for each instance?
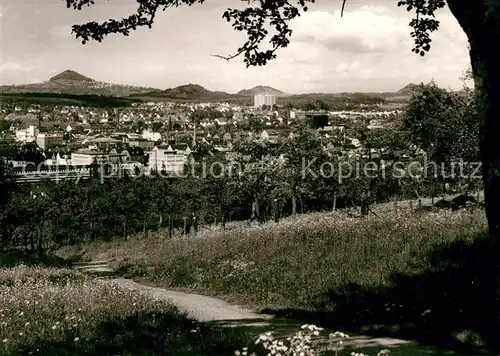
(338, 334)
(54, 327)
(5, 341)
(20, 334)
(426, 312)
(27, 323)
(76, 339)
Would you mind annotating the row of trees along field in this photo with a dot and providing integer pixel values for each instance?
(253, 181)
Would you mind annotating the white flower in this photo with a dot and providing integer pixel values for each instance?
(76, 339)
(338, 334)
(426, 312)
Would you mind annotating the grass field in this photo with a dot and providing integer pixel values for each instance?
(418, 276)
(49, 311)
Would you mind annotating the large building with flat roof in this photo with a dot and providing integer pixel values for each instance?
(264, 99)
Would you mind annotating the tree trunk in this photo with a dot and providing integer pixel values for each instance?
(195, 224)
(481, 23)
(294, 204)
(160, 221)
(489, 100)
(32, 243)
(334, 207)
(39, 243)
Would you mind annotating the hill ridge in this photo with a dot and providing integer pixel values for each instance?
(260, 89)
(71, 75)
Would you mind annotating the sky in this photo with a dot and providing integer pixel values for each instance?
(366, 50)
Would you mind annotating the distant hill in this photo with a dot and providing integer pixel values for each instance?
(260, 89)
(190, 92)
(70, 75)
(407, 90)
(72, 86)
(73, 83)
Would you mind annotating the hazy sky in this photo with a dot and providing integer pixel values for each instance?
(369, 49)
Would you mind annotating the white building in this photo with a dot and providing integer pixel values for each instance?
(45, 140)
(264, 99)
(27, 135)
(88, 157)
(151, 136)
(167, 160)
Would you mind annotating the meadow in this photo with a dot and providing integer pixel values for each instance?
(420, 276)
(57, 311)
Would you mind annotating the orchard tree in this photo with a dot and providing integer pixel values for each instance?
(480, 20)
(444, 125)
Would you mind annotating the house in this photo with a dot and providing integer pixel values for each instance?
(27, 135)
(151, 136)
(268, 135)
(226, 137)
(166, 160)
(114, 157)
(375, 124)
(58, 160)
(87, 157)
(46, 140)
(221, 122)
(133, 136)
(104, 142)
(142, 143)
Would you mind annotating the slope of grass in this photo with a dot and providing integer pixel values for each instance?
(407, 275)
(290, 263)
(48, 311)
